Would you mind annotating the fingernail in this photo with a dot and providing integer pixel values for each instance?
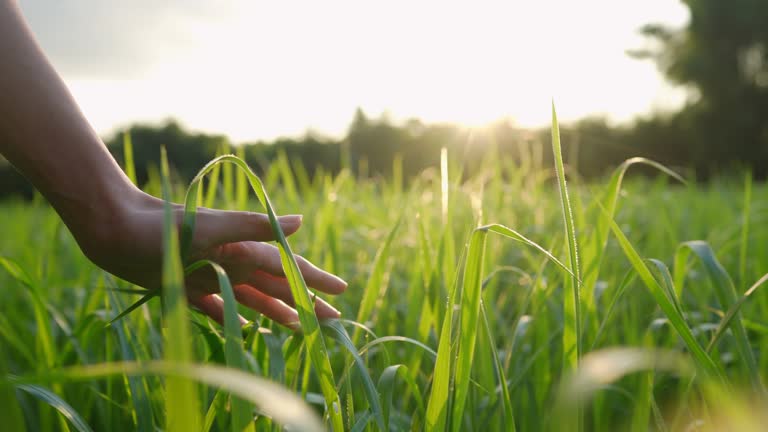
(290, 220)
(333, 310)
(295, 326)
(341, 283)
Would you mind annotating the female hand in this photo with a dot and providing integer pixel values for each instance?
(127, 242)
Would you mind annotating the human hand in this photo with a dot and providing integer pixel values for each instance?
(127, 242)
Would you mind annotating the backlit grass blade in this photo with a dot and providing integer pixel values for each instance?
(572, 308)
(242, 411)
(287, 179)
(181, 399)
(272, 399)
(468, 323)
(703, 361)
(726, 293)
(439, 402)
(241, 182)
(213, 182)
(301, 295)
(56, 402)
(130, 168)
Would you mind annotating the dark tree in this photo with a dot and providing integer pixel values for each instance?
(722, 56)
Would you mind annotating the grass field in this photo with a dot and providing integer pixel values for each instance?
(623, 306)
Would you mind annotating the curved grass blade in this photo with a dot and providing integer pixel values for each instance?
(57, 403)
(509, 232)
(383, 339)
(703, 361)
(594, 250)
(213, 184)
(726, 293)
(304, 304)
(272, 399)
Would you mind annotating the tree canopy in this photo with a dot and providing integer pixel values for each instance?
(722, 57)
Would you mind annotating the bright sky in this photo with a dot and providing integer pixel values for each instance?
(258, 70)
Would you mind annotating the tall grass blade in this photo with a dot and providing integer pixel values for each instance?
(468, 323)
(181, 397)
(241, 182)
(242, 411)
(439, 402)
(572, 308)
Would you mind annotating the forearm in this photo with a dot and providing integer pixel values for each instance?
(44, 134)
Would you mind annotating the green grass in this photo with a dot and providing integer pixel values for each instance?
(659, 323)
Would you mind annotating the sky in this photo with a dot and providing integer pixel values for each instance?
(259, 70)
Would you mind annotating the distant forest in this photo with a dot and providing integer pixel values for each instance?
(721, 57)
